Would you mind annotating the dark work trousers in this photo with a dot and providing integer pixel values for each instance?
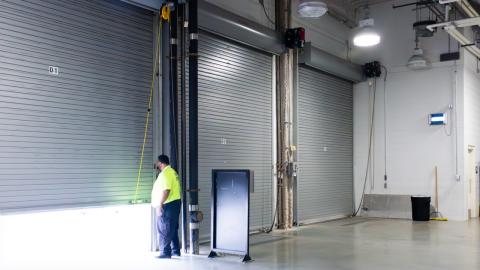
(167, 226)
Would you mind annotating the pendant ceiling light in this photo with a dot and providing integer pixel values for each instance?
(366, 35)
(418, 61)
(311, 8)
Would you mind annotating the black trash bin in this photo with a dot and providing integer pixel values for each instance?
(420, 208)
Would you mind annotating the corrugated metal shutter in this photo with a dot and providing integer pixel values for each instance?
(235, 121)
(325, 146)
(73, 139)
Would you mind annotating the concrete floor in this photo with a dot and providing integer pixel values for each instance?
(357, 243)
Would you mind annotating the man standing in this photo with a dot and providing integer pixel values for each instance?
(166, 199)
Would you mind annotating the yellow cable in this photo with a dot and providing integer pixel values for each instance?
(147, 121)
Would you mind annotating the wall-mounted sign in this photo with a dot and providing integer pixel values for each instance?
(53, 70)
(435, 119)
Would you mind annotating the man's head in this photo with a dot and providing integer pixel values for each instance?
(163, 161)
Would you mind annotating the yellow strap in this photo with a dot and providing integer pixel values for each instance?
(166, 13)
(147, 121)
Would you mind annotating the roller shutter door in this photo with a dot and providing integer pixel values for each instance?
(325, 146)
(73, 139)
(235, 121)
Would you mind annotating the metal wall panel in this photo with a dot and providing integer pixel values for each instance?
(325, 146)
(73, 139)
(235, 121)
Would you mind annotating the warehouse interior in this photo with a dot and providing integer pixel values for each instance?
(347, 115)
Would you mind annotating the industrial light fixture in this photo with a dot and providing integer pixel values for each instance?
(366, 35)
(311, 8)
(418, 61)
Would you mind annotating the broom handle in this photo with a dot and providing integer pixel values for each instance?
(436, 188)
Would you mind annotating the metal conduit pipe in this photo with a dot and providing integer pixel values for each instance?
(182, 13)
(173, 89)
(193, 125)
(166, 129)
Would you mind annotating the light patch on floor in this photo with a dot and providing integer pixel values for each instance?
(360, 244)
(73, 238)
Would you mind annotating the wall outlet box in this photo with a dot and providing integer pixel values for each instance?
(457, 177)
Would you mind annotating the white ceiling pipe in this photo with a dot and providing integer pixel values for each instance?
(458, 23)
(451, 27)
(453, 32)
(467, 8)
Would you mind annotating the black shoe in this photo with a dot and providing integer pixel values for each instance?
(164, 256)
(176, 253)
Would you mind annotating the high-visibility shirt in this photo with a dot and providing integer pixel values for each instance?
(166, 180)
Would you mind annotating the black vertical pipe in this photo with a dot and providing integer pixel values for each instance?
(183, 112)
(166, 89)
(173, 89)
(193, 123)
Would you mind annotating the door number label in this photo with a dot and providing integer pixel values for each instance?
(53, 70)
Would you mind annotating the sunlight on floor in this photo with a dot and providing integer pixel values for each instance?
(74, 237)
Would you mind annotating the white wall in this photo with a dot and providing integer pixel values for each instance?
(472, 113)
(413, 147)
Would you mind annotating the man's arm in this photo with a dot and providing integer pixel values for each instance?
(165, 194)
(164, 197)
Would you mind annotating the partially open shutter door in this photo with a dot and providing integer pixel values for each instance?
(73, 139)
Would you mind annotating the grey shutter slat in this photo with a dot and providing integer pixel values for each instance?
(73, 139)
(325, 119)
(235, 103)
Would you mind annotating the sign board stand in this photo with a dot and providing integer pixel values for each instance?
(230, 213)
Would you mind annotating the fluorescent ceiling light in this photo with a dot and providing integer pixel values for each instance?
(366, 35)
(312, 8)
